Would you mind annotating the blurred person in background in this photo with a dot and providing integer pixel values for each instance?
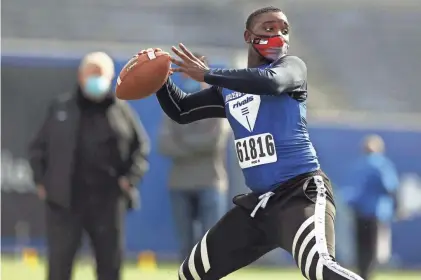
(198, 179)
(371, 192)
(87, 160)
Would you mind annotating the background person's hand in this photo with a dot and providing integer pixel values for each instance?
(192, 66)
(124, 184)
(130, 192)
(42, 194)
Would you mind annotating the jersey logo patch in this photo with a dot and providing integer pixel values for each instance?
(233, 95)
(245, 110)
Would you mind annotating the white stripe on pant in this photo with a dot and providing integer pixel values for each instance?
(191, 264)
(309, 249)
(322, 257)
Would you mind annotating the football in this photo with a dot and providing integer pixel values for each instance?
(143, 75)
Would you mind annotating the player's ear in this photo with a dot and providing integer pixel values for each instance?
(247, 36)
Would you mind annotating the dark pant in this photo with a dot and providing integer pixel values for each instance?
(102, 220)
(366, 237)
(301, 223)
(205, 206)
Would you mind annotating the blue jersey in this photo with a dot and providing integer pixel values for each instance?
(266, 108)
(271, 138)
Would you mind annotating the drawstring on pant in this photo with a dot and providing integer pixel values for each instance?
(263, 201)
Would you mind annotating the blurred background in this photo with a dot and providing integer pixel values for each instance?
(364, 61)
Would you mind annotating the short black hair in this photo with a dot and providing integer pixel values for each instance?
(258, 12)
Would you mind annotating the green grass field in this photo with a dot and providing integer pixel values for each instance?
(16, 270)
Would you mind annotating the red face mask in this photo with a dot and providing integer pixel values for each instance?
(271, 47)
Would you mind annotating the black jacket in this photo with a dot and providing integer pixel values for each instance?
(52, 152)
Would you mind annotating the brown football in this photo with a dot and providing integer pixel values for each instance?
(143, 75)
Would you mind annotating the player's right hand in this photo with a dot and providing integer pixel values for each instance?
(150, 50)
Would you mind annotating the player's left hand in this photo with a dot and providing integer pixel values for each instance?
(192, 66)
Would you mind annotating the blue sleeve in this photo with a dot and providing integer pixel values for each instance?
(389, 178)
(287, 74)
(186, 108)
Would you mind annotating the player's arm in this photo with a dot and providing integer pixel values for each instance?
(287, 74)
(186, 108)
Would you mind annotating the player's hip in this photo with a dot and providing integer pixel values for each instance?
(302, 188)
(280, 175)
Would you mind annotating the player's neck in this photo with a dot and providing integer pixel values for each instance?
(254, 61)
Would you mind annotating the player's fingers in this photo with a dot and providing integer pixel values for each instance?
(176, 61)
(187, 52)
(146, 51)
(174, 70)
(180, 54)
(202, 61)
(180, 70)
(158, 50)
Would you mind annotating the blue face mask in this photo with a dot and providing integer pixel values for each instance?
(97, 86)
(191, 86)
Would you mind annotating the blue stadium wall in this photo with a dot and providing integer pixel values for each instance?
(152, 228)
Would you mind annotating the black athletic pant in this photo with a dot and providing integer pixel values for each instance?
(366, 237)
(102, 221)
(299, 217)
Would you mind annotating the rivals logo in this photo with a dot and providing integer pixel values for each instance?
(244, 102)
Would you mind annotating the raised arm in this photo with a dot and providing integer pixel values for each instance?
(287, 74)
(185, 108)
